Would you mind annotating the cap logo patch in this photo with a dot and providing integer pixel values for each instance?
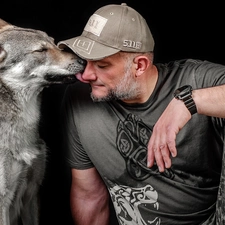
(95, 24)
(85, 46)
(132, 44)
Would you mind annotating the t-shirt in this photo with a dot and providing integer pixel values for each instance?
(113, 136)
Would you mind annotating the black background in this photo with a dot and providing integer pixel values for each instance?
(181, 29)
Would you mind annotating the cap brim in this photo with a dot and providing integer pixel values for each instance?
(87, 48)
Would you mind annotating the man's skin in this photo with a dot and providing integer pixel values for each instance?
(162, 144)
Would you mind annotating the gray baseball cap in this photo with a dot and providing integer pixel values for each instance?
(111, 29)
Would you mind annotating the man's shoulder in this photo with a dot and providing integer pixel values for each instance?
(190, 63)
(180, 63)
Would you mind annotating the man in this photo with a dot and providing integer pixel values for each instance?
(122, 101)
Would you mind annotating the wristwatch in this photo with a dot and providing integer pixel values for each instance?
(184, 93)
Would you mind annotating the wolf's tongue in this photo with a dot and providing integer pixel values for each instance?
(79, 77)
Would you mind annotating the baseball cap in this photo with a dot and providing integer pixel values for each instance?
(112, 28)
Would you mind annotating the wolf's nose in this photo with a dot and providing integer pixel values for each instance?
(82, 61)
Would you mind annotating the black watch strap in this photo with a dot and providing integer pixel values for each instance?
(185, 94)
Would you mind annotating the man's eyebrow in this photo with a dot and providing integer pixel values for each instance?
(102, 61)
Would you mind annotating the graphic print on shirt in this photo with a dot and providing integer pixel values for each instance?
(127, 202)
(132, 140)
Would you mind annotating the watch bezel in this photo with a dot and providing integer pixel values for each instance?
(184, 93)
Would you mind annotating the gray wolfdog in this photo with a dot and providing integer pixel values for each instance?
(29, 62)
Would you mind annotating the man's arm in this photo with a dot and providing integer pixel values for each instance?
(89, 198)
(162, 144)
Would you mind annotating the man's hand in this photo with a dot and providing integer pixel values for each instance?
(162, 143)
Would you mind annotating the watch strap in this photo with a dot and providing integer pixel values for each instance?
(185, 94)
(190, 104)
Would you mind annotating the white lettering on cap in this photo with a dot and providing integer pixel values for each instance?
(85, 46)
(132, 44)
(95, 24)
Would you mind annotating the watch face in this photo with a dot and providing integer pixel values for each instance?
(182, 90)
(184, 93)
(185, 88)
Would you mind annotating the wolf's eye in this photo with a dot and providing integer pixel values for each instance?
(41, 50)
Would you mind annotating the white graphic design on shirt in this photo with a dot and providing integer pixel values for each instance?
(128, 202)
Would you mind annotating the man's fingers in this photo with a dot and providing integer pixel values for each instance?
(154, 154)
(161, 153)
(159, 159)
(172, 147)
(150, 157)
(165, 152)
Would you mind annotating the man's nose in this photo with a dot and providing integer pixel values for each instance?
(89, 72)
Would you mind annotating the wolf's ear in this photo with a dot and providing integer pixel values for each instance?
(2, 54)
(4, 25)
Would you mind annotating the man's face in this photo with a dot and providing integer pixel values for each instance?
(112, 78)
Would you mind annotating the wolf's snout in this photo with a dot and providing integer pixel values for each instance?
(82, 62)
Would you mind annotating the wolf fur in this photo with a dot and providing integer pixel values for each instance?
(29, 62)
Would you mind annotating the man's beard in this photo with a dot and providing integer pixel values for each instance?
(128, 88)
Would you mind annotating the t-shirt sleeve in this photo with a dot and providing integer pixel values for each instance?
(75, 154)
(209, 74)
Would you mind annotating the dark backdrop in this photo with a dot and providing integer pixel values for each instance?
(182, 29)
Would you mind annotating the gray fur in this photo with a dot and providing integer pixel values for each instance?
(29, 62)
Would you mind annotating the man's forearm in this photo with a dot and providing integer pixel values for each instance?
(210, 101)
(87, 212)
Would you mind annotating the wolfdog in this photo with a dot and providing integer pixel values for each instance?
(29, 62)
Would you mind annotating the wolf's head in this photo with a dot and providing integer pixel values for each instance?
(29, 59)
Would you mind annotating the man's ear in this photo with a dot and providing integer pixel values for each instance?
(141, 64)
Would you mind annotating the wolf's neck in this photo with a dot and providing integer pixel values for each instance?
(19, 106)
